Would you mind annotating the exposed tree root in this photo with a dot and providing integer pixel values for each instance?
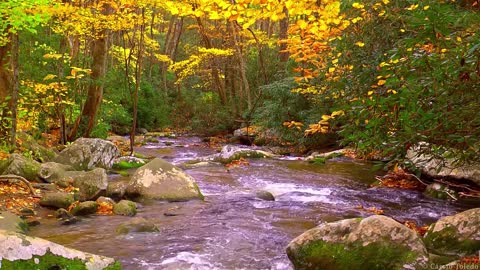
(14, 177)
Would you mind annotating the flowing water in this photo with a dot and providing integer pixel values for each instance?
(232, 229)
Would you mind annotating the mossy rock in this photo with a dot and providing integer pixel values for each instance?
(125, 208)
(23, 252)
(455, 235)
(85, 208)
(324, 255)
(376, 242)
(57, 199)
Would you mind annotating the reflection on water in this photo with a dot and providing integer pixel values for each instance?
(232, 229)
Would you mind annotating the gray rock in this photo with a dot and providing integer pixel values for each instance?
(457, 234)
(87, 153)
(22, 166)
(53, 172)
(446, 166)
(57, 199)
(137, 224)
(91, 184)
(376, 242)
(125, 208)
(116, 190)
(18, 251)
(85, 208)
(231, 152)
(161, 180)
(12, 222)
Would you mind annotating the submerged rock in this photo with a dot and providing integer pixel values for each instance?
(376, 242)
(265, 195)
(137, 224)
(18, 251)
(457, 234)
(161, 180)
(87, 153)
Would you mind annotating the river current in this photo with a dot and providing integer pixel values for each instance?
(232, 228)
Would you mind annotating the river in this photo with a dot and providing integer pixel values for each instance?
(232, 228)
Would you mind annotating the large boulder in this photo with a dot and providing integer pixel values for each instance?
(455, 235)
(376, 242)
(161, 180)
(91, 184)
(18, 251)
(445, 166)
(23, 166)
(87, 153)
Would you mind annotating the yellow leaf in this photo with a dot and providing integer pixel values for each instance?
(49, 77)
(370, 93)
(360, 44)
(381, 82)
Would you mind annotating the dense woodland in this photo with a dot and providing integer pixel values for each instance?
(378, 75)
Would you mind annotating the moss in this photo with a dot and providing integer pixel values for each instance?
(125, 165)
(243, 154)
(336, 256)
(446, 242)
(200, 195)
(51, 261)
(123, 173)
(322, 159)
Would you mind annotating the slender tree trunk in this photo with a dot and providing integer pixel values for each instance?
(138, 78)
(243, 66)
(5, 90)
(15, 87)
(283, 36)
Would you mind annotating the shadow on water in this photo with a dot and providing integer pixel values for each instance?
(232, 229)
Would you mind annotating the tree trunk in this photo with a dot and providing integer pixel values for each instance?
(5, 90)
(283, 36)
(243, 66)
(138, 78)
(15, 88)
(95, 91)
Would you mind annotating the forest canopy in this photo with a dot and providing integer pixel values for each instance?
(379, 75)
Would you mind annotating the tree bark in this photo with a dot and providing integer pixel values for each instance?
(243, 66)
(95, 90)
(5, 90)
(15, 88)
